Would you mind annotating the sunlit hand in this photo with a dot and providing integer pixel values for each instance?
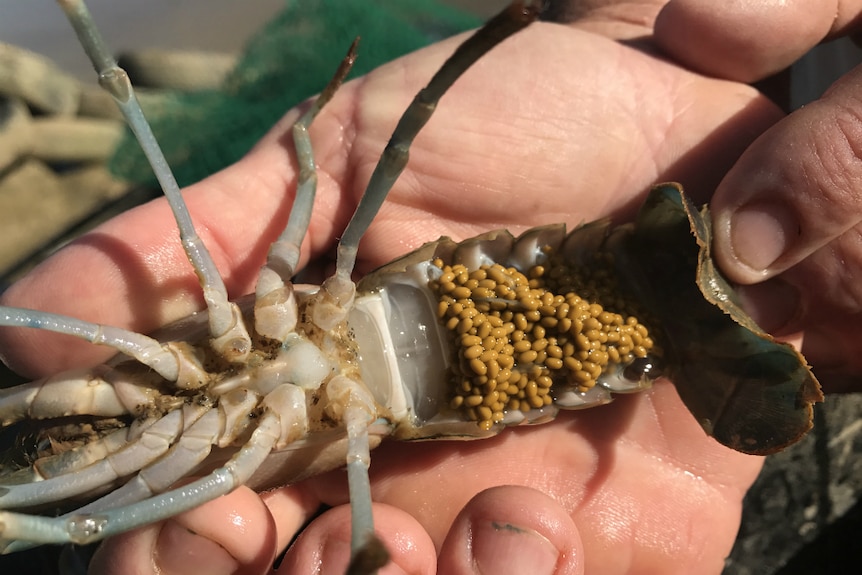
(561, 123)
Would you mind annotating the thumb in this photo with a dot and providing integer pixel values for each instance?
(748, 41)
(512, 529)
(796, 189)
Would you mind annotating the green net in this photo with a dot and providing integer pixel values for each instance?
(290, 59)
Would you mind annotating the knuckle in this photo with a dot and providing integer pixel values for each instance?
(837, 155)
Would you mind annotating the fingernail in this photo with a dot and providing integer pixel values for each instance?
(500, 548)
(761, 232)
(179, 550)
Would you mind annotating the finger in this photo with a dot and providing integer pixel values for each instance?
(234, 534)
(324, 546)
(836, 357)
(798, 187)
(512, 530)
(747, 41)
(820, 298)
(291, 507)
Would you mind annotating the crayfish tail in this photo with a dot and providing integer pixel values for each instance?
(747, 390)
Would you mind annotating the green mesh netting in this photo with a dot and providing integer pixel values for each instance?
(290, 59)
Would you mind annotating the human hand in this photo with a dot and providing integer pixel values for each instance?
(634, 487)
(787, 215)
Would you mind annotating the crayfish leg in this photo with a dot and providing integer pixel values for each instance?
(230, 337)
(275, 308)
(19, 530)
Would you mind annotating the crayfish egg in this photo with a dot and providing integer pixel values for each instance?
(522, 339)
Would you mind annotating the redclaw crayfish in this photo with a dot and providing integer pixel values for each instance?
(450, 341)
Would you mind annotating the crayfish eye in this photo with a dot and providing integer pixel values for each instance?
(643, 368)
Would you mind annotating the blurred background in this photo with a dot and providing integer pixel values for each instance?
(128, 25)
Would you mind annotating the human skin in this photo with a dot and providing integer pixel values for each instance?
(560, 123)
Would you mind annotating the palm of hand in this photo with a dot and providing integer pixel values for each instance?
(558, 125)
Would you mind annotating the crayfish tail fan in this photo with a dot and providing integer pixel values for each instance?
(747, 390)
